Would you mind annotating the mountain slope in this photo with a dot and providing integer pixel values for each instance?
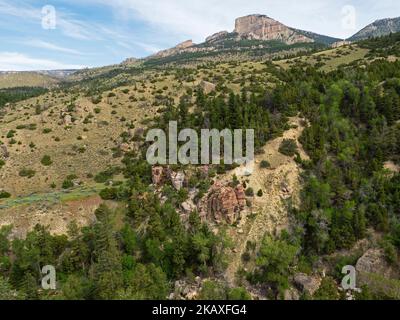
(378, 29)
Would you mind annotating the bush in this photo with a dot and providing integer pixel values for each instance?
(109, 193)
(4, 194)
(67, 184)
(46, 161)
(249, 192)
(2, 163)
(260, 193)
(11, 134)
(46, 130)
(27, 173)
(107, 175)
(288, 147)
(265, 164)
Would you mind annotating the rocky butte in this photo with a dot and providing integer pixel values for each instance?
(262, 27)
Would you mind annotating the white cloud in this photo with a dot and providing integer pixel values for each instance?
(50, 46)
(14, 61)
(199, 19)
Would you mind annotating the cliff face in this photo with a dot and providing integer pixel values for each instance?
(261, 27)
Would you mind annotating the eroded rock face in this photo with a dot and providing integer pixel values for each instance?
(261, 27)
(224, 204)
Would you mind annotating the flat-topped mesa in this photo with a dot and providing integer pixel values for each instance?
(262, 27)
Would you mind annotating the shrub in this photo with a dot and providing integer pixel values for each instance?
(265, 164)
(249, 192)
(2, 163)
(97, 100)
(27, 173)
(288, 147)
(109, 194)
(11, 134)
(4, 194)
(106, 175)
(260, 193)
(67, 184)
(46, 130)
(46, 161)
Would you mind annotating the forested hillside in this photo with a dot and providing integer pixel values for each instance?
(352, 131)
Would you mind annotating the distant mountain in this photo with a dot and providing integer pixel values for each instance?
(378, 29)
(253, 33)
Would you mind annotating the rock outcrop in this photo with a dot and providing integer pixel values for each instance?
(374, 271)
(261, 27)
(217, 36)
(4, 154)
(157, 175)
(223, 204)
(160, 175)
(177, 179)
(307, 284)
(207, 87)
(373, 261)
(175, 50)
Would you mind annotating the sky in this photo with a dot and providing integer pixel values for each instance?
(71, 34)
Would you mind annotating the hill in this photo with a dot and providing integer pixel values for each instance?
(25, 79)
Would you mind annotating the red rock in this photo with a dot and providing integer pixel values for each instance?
(157, 175)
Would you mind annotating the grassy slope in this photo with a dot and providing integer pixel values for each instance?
(25, 79)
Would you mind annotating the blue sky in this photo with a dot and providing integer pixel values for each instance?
(91, 33)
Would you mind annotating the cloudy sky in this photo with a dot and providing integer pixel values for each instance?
(88, 33)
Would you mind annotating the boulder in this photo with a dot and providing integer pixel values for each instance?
(67, 120)
(157, 175)
(207, 87)
(307, 284)
(291, 295)
(177, 180)
(374, 271)
(188, 207)
(4, 154)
